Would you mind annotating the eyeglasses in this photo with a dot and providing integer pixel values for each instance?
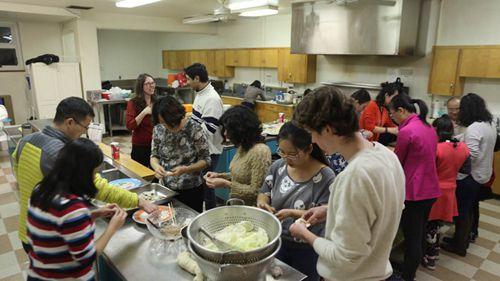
(288, 156)
(150, 84)
(78, 123)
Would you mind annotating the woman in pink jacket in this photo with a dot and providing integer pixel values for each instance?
(416, 149)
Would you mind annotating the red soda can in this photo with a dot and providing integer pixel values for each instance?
(115, 150)
(281, 117)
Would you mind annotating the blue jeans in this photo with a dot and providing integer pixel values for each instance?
(209, 193)
(301, 257)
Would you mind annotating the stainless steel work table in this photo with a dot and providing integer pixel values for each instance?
(127, 253)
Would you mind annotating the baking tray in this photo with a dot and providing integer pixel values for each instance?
(160, 189)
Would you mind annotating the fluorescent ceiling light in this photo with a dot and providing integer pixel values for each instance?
(134, 3)
(235, 5)
(260, 12)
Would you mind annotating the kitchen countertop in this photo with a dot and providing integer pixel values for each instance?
(129, 255)
(260, 101)
(128, 163)
(38, 125)
(105, 101)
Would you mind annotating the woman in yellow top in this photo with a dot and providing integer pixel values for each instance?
(252, 160)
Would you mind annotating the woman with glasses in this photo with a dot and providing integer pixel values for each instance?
(416, 149)
(252, 160)
(138, 118)
(297, 182)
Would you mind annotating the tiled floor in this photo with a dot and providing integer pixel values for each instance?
(13, 260)
(481, 264)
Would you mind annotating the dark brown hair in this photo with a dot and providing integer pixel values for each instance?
(327, 106)
(170, 109)
(138, 100)
(242, 126)
(473, 109)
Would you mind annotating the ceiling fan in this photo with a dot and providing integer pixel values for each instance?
(229, 10)
(222, 13)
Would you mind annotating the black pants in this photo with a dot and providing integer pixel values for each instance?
(249, 105)
(141, 154)
(468, 209)
(301, 257)
(475, 218)
(414, 225)
(192, 197)
(209, 193)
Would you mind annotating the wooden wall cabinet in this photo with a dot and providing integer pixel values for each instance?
(292, 68)
(444, 76)
(296, 68)
(238, 57)
(164, 59)
(496, 163)
(270, 58)
(266, 58)
(175, 60)
(480, 62)
(256, 58)
(198, 56)
(220, 69)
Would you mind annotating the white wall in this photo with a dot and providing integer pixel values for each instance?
(274, 31)
(271, 31)
(127, 54)
(36, 38)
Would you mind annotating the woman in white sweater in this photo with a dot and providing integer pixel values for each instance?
(480, 137)
(366, 199)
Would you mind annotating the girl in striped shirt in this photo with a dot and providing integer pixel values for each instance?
(60, 224)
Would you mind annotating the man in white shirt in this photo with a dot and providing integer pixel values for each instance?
(207, 109)
(366, 199)
(453, 108)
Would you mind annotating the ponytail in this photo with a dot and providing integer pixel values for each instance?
(412, 105)
(420, 109)
(444, 129)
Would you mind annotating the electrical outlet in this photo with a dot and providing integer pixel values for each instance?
(406, 72)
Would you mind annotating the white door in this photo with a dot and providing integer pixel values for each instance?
(53, 83)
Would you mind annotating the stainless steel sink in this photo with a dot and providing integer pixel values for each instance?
(113, 172)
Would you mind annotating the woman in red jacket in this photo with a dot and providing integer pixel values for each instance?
(375, 118)
(139, 118)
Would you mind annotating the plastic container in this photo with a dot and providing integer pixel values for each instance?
(170, 79)
(188, 107)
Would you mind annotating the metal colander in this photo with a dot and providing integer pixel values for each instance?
(255, 271)
(218, 218)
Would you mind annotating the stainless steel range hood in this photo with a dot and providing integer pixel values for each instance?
(356, 27)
